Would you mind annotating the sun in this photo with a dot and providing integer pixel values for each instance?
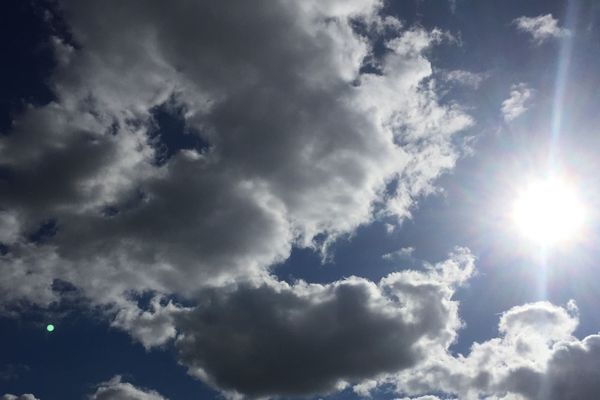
(549, 212)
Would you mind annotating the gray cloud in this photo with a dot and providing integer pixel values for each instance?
(276, 339)
(573, 372)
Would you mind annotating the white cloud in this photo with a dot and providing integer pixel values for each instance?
(541, 28)
(364, 388)
(389, 228)
(404, 254)
(519, 101)
(151, 327)
(115, 389)
(536, 357)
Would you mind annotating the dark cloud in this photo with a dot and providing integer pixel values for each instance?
(277, 339)
(263, 342)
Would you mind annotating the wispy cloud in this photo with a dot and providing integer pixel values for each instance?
(404, 253)
(541, 28)
(465, 78)
(519, 101)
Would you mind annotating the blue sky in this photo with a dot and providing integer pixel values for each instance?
(299, 200)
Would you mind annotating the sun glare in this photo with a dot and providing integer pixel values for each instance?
(549, 212)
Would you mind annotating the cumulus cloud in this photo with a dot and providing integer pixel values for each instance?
(541, 28)
(272, 338)
(286, 150)
(292, 146)
(519, 101)
(535, 357)
(116, 389)
(277, 339)
(571, 373)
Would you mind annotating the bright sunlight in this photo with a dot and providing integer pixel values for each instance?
(549, 212)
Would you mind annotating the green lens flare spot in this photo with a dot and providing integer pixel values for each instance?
(50, 327)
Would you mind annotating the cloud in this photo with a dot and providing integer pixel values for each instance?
(277, 340)
(293, 149)
(151, 327)
(572, 373)
(293, 144)
(541, 28)
(466, 78)
(428, 397)
(272, 338)
(389, 228)
(403, 254)
(519, 101)
(9, 228)
(535, 357)
(115, 389)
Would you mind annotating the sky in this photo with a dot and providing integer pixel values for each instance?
(340, 199)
